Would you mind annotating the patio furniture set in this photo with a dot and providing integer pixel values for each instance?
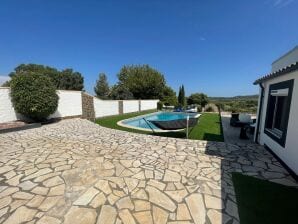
(245, 122)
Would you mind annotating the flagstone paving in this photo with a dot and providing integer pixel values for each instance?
(75, 171)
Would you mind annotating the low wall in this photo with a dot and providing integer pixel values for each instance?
(148, 104)
(130, 106)
(77, 104)
(70, 104)
(7, 112)
(105, 107)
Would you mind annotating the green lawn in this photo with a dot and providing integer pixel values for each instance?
(262, 202)
(111, 121)
(208, 127)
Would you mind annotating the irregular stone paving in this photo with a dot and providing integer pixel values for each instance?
(75, 171)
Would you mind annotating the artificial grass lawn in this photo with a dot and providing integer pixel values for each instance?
(208, 127)
(111, 121)
(261, 201)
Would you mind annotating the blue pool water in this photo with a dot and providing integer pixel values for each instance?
(139, 122)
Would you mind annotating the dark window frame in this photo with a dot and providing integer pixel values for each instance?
(281, 85)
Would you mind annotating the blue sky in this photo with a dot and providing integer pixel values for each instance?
(216, 47)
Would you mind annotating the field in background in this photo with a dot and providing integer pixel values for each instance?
(237, 104)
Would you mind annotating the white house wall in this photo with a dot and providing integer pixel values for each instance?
(287, 59)
(105, 107)
(289, 154)
(130, 106)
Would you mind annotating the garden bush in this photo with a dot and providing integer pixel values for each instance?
(33, 95)
(209, 109)
(199, 108)
(159, 105)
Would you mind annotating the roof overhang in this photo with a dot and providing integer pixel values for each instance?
(283, 71)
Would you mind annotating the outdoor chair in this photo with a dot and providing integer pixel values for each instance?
(234, 120)
(240, 120)
(245, 118)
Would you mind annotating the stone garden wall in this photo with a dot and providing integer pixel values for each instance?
(88, 107)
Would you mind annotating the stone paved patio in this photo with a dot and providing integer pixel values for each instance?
(75, 171)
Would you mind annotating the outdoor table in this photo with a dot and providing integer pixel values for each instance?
(244, 127)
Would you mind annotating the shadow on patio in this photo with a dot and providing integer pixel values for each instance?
(231, 134)
(243, 186)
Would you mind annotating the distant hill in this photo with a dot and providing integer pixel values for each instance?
(235, 98)
(248, 103)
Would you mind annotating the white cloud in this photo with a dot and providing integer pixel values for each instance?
(3, 79)
(281, 3)
(202, 38)
(288, 2)
(277, 3)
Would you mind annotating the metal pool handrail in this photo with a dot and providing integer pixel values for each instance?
(149, 125)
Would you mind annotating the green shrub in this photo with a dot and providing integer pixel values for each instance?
(220, 106)
(33, 95)
(209, 109)
(199, 108)
(159, 105)
(235, 110)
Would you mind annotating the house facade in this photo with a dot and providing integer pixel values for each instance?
(277, 120)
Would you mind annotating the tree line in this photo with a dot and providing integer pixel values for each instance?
(134, 82)
(144, 82)
(66, 79)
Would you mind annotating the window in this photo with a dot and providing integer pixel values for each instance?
(278, 110)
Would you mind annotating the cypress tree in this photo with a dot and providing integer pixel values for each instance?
(102, 88)
(183, 100)
(181, 97)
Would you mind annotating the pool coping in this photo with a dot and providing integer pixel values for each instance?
(120, 123)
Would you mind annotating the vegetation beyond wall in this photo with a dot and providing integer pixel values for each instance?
(247, 104)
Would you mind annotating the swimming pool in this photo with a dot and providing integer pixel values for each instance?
(141, 124)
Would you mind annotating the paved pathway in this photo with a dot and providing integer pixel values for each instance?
(75, 171)
(231, 134)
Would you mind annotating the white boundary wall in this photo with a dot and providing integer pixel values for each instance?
(104, 108)
(70, 104)
(148, 104)
(7, 112)
(130, 106)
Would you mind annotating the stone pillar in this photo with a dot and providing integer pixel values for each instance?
(120, 106)
(88, 107)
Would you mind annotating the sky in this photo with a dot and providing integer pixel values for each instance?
(215, 47)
